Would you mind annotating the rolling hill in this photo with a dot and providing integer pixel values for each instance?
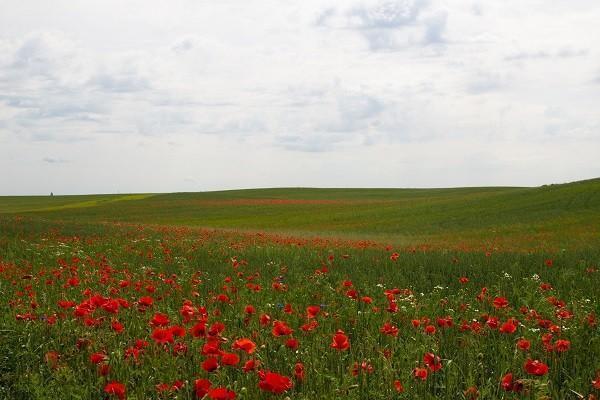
(563, 215)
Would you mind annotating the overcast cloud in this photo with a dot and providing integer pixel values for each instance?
(148, 96)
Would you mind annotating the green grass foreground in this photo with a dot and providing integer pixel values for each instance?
(480, 293)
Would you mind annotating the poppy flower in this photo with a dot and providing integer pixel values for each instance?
(420, 373)
(177, 330)
(292, 343)
(509, 385)
(280, 328)
(535, 367)
(210, 364)
(389, 329)
(159, 319)
(216, 329)
(265, 319)
(340, 341)
(212, 347)
(507, 382)
(250, 365)
(430, 329)
(115, 388)
(398, 386)
(432, 361)
(162, 336)
(500, 302)
(471, 393)
(312, 311)
(230, 359)
(221, 394)
(97, 358)
(198, 330)
(274, 383)
(562, 345)
(596, 382)
(52, 358)
(523, 344)
(299, 371)
(103, 369)
(244, 344)
(310, 326)
(201, 387)
(117, 326)
(509, 326)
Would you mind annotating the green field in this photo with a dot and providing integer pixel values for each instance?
(365, 294)
(552, 217)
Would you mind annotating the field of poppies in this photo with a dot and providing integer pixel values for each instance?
(126, 310)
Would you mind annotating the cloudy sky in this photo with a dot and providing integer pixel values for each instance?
(160, 96)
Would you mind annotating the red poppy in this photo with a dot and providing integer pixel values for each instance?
(509, 326)
(265, 319)
(201, 387)
(562, 345)
(244, 344)
(230, 359)
(162, 336)
(103, 369)
(117, 326)
(535, 367)
(433, 362)
(523, 344)
(312, 311)
(221, 394)
(280, 328)
(212, 347)
(52, 358)
(389, 329)
(292, 343)
(430, 329)
(159, 319)
(250, 365)
(210, 364)
(340, 341)
(310, 326)
(177, 330)
(398, 386)
(115, 388)
(420, 373)
(509, 385)
(299, 371)
(198, 330)
(97, 358)
(596, 382)
(471, 393)
(216, 329)
(500, 302)
(274, 383)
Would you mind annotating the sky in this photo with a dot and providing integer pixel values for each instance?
(190, 95)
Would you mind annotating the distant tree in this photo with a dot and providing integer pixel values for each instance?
(51, 194)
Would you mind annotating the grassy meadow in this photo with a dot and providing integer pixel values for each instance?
(467, 293)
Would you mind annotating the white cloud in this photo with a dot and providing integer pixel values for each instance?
(387, 93)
